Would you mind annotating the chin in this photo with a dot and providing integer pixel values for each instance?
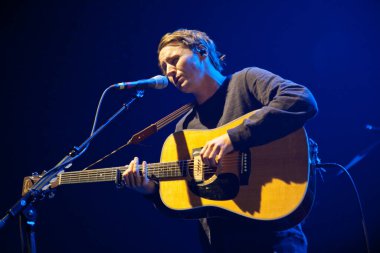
(185, 87)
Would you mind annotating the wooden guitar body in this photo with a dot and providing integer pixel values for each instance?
(268, 183)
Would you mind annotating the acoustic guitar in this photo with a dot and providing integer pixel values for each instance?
(269, 184)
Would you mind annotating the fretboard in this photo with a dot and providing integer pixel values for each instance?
(155, 170)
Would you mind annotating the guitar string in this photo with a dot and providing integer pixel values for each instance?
(167, 170)
(111, 175)
(158, 166)
(108, 178)
(155, 169)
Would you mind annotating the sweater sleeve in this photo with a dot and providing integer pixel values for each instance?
(286, 106)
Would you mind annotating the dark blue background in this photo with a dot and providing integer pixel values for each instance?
(58, 57)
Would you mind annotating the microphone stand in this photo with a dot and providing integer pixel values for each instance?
(25, 207)
(360, 156)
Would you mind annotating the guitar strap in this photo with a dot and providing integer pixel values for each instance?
(150, 130)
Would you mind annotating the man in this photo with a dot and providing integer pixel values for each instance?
(190, 60)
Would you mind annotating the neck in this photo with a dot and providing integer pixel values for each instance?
(210, 85)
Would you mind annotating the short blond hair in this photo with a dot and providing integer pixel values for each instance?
(196, 41)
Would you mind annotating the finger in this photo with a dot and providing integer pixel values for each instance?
(132, 180)
(145, 170)
(213, 154)
(132, 175)
(206, 153)
(136, 173)
(203, 150)
(206, 149)
(126, 179)
(219, 156)
(126, 174)
(208, 157)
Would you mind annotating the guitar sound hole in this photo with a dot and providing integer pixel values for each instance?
(224, 187)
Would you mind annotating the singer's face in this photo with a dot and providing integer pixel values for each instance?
(182, 66)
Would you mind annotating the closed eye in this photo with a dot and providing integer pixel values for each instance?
(171, 61)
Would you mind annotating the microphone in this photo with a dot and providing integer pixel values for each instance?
(156, 82)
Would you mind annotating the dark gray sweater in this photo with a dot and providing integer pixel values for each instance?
(282, 107)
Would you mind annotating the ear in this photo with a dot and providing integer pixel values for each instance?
(201, 50)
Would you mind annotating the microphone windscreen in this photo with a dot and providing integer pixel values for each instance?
(161, 82)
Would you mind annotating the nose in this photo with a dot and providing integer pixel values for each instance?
(170, 70)
(171, 73)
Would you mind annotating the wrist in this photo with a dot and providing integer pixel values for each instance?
(150, 188)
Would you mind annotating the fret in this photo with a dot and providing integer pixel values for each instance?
(156, 170)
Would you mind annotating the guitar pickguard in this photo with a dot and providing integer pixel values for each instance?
(222, 187)
(209, 184)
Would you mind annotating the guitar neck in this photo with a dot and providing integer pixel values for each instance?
(155, 171)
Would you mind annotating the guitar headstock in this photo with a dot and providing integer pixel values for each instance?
(34, 178)
(30, 181)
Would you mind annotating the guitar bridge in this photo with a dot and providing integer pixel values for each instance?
(198, 168)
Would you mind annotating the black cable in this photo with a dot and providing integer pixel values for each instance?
(364, 226)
